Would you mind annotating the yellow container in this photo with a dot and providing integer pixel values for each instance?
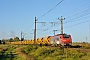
(47, 39)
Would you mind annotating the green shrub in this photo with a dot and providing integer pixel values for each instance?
(48, 58)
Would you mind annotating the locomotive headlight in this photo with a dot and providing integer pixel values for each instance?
(70, 43)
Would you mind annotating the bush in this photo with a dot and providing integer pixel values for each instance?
(45, 53)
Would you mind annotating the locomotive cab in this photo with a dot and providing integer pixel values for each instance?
(61, 39)
(66, 40)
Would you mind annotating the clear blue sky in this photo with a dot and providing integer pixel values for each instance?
(18, 15)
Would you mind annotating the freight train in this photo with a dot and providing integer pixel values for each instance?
(59, 39)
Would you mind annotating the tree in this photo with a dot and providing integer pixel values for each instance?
(16, 39)
(11, 40)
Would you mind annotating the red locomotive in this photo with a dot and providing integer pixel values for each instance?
(61, 39)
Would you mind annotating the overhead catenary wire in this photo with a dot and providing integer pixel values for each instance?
(75, 24)
(78, 24)
(75, 20)
(70, 21)
(46, 13)
(45, 30)
(79, 15)
(48, 28)
(50, 10)
(29, 27)
(74, 10)
(67, 26)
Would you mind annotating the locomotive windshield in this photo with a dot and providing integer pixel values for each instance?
(66, 36)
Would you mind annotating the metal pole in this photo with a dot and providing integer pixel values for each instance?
(54, 32)
(61, 22)
(86, 39)
(21, 35)
(89, 31)
(35, 32)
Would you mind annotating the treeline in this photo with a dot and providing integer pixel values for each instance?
(10, 40)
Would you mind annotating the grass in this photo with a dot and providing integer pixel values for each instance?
(45, 53)
(9, 53)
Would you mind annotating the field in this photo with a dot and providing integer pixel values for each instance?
(34, 52)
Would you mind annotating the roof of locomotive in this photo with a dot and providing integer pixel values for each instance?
(61, 34)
